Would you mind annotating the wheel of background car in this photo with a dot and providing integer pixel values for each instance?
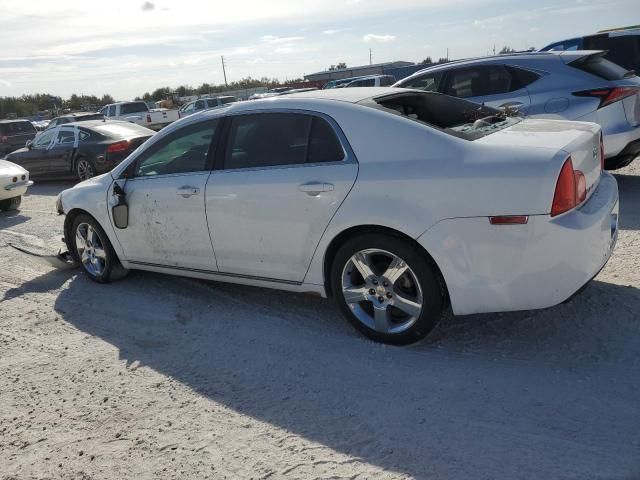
(84, 169)
(90, 246)
(10, 204)
(387, 288)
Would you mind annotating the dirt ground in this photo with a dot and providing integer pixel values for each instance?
(158, 377)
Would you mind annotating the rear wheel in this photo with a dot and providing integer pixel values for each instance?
(91, 247)
(10, 204)
(85, 169)
(387, 288)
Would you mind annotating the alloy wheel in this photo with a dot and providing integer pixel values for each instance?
(382, 291)
(85, 169)
(90, 249)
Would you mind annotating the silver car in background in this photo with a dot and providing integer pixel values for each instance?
(573, 85)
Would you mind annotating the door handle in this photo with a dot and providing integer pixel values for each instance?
(187, 191)
(315, 188)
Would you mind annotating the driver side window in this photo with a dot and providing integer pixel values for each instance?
(185, 150)
(43, 141)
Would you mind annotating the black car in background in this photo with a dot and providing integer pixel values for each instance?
(74, 117)
(14, 134)
(80, 149)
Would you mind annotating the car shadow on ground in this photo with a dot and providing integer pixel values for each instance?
(629, 189)
(292, 361)
(12, 218)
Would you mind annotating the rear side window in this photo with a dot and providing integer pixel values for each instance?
(199, 105)
(135, 107)
(479, 81)
(226, 100)
(600, 67)
(386, 81)
(112, 111)
(324, 145)
(271, 139)
(520, 77)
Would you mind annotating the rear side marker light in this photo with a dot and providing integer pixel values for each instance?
(509, 220)
(608, 96)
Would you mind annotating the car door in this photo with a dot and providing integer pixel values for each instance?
(278, 181)
(165, 194)
(60, 152)
(34, 158)
(492, 85)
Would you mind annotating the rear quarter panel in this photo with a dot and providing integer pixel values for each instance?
(412, 176)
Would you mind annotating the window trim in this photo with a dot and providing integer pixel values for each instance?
(129, 172)
(218, 166)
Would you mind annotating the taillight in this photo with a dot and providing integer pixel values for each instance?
(608, 96)
(148, 118)
(571, 189)
(119, 147)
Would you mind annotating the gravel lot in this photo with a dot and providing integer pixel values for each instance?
(159, 377)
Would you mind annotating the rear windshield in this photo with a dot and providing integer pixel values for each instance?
(600, 67)
(454, 116)
(121, 130)
(135, 107)
(95, 116)
(17, 128)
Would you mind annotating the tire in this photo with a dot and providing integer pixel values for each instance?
(401, 298)
(10, 204)
(97, 258)
(84, 169)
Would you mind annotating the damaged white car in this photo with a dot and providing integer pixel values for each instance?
(14, 181)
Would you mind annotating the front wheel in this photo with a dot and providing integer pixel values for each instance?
(387, 288)
(91, 247)
(84, 169)
(10, 204)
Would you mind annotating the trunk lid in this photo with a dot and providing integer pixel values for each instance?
(579, 140)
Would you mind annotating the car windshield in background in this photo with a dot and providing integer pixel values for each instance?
(121, 130)
(452, 115)
(95, 116)
(137, 107)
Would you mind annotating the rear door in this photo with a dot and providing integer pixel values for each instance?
(167, 221)
(277, 183)
(492, 85)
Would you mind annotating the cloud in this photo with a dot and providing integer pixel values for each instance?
(279, 40)
(330, 32)
(372, 37)
(148, 6)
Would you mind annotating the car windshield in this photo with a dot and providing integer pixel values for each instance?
(451, 115)
(135, 107)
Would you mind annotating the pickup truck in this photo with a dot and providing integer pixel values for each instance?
(138, 112)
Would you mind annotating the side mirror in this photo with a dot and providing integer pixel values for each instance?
(121, 215)
(120, 211)
(29, 144)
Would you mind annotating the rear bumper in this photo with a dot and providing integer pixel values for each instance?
(489, 268)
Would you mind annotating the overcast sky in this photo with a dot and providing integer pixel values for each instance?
(127, 47)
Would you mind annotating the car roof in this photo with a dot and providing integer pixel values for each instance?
(14, 120)
(350, 95)
(94, 123)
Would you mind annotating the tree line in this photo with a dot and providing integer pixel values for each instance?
(30, 105)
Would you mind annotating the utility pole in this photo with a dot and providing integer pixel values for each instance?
(447, 54)
(370, 57)
(224, 71)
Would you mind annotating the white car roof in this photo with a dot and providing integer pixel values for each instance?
(350, 95)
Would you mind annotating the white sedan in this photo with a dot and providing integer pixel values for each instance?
(14, 181)
(395, 202)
